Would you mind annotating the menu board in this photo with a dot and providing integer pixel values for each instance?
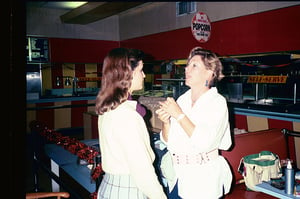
(37, 49)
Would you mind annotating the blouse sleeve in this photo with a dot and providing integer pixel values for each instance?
(135, 143)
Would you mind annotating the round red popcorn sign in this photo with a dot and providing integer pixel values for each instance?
(201, 27)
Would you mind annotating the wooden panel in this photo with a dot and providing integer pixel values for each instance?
(57, 117)
(62, 116)
(90, 125)
(87, 126)
(257, 123)
(91, 71)
(91, 108)
(77, 113)
(46, 77)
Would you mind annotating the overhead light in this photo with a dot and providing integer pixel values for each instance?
(64, 4)
(180, 62)
(295, 56)
(73, 4)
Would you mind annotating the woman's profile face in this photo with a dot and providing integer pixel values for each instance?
(195, 72)
(138, 77)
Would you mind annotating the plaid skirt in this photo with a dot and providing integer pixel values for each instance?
(119, 187)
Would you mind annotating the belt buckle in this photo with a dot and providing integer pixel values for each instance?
(204, 158)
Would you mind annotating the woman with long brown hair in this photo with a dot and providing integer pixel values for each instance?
(127, 156)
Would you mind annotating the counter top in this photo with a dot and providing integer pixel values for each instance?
(280, 111)
(281, 107)
(60, 99)
(284, 108)
(272, 105)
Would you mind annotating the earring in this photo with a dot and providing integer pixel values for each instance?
(206, 83)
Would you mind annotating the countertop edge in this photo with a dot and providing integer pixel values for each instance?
(60, 99)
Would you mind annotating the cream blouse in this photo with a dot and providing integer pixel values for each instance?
(212, 131)
(125, 148)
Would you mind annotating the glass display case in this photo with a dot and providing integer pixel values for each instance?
(263, 80)
(267, 79)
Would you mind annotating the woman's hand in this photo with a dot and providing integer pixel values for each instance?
(163, 115)
(165, 118)
(170, 107)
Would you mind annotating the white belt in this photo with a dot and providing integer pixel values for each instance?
(199, 158)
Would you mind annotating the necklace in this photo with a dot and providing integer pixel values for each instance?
(193, 102)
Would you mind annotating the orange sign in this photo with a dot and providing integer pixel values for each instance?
(271, 79)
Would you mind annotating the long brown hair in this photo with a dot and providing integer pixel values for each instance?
(116, 78)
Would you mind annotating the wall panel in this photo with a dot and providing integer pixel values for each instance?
(269, 31)
(296, 127)
(61, 116)
(79, 50)
(257, 123)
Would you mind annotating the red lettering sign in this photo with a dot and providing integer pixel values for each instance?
(201, 28)
(267, 79)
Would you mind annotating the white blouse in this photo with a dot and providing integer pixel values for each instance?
(212, 131)
(125, 148)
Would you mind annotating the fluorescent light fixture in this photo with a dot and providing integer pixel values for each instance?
(64, 4)
(73, 4)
